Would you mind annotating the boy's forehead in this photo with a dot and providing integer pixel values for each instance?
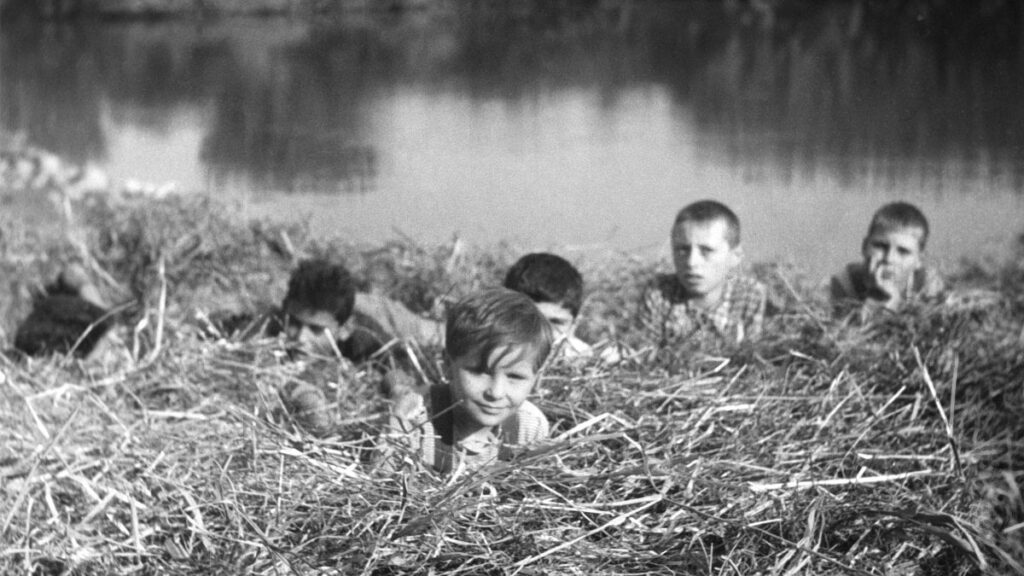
(312, 317)
(705, 231)
(553, 309)
(904, 234)
(503, 355)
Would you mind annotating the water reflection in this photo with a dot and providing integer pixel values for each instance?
(863, 96)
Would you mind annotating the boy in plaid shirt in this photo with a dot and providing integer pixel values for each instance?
(706, 293)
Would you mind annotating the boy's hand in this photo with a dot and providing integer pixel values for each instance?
(409, 407)
(888, 286)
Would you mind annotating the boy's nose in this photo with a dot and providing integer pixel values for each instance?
(693, 257)
(496, 387)
(300, 334)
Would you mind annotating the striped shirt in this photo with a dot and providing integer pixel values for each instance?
(667, 311)
(431, 434)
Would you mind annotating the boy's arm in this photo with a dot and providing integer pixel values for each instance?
(756, 321)
(399, 321)
(933, 285)
(401, 433)
(651, 311)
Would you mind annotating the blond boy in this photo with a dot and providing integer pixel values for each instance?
(892, 270)
(706, 293)
(495, 344)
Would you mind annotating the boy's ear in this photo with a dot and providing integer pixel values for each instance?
(736, 255)
(447, 367)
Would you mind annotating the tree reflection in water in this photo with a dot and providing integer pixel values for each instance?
(869, 90)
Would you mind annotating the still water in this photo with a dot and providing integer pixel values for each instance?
(570, 129)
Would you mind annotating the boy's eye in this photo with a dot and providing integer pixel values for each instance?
(903, 251)
(517, 376)
(705, 250)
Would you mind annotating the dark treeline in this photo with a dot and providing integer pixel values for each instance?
(862, 86)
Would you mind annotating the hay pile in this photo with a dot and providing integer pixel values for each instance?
(893, 447)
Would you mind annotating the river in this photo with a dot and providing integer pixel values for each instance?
(575, 127)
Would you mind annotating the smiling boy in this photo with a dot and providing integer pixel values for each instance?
(495, 344)
(892, 270)
(705, 293)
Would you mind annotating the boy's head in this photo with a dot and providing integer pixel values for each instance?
(554, 285)
(705, 247)
(320, 296)
(895, 241)
(495, 343)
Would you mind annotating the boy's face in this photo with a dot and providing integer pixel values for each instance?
(891, 256)
(559, 317)
(313, 330)
(702, 256)
(490, 394)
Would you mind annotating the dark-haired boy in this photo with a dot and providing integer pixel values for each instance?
(556, 288)
(892, 270)
(706, 292)
(495, 344)
(69, 317)
(319, 301)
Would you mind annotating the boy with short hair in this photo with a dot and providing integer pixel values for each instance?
(892, 270)
(706, 292)
(319, 301)
(495, 344)
(556, 288)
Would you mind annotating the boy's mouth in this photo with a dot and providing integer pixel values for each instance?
(489, 409)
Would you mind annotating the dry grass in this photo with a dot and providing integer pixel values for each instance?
(888, 448)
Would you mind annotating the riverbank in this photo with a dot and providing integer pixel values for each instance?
(825, 448)
(148, 9)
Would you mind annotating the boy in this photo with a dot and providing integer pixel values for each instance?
(892, 271)
(495, 344)
(319, 301)
(556, 288)
(705, 292)
(69, 317)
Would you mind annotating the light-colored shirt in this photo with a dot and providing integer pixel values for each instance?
(667, 311)
(430, 434)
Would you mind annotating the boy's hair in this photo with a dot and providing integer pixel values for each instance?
(484, 321)
(708, 211)
(546, 277)
(896, 215)
(321, 285)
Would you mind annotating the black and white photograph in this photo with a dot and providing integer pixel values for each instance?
(512, 287)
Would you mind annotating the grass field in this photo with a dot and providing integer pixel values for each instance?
(890, 447)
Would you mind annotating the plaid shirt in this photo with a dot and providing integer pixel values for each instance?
(666, 310)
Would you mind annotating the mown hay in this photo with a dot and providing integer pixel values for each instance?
(821, 449)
